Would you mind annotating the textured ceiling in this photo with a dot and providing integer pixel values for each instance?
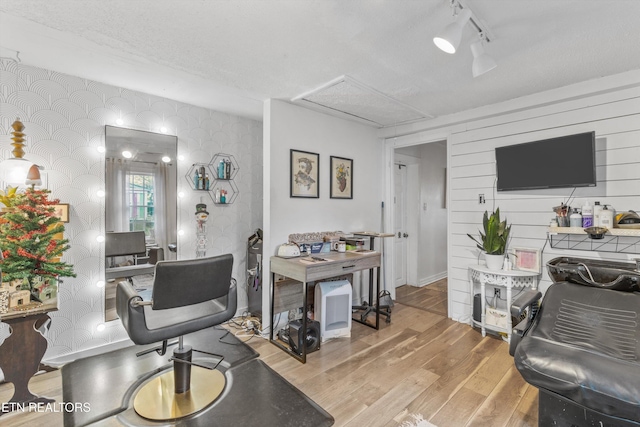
(232, 55)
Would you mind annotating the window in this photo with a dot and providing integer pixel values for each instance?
(140, 204)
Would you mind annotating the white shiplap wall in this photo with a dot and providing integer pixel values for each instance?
(614, 115)
(615, 118)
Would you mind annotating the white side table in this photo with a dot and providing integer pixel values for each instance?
(506, 279)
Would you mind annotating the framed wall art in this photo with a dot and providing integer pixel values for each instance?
(527, 259)
(341, 178)
(304, 174)
(62, 212)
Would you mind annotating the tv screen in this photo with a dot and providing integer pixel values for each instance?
(566, 161)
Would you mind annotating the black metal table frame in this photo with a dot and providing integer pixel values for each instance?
(302, 357)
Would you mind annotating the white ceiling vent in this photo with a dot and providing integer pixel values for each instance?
(348, 98)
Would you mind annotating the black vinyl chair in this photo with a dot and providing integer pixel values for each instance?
(581, 348)
(187, 296)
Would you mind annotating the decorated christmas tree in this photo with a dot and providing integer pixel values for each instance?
(30, 240)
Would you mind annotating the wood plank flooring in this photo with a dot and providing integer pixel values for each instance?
(420, 363)
(432, 298)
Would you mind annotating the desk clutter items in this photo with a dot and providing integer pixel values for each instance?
(325, 242)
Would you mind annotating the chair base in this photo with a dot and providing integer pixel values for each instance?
(158, 401)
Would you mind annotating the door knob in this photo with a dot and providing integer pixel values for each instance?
(399, 235)
(405, 235)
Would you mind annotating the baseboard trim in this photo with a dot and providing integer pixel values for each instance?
(431, 279)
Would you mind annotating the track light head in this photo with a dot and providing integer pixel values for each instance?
(482, 63)
(449, 39)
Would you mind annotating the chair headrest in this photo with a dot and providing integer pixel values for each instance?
(187, 282)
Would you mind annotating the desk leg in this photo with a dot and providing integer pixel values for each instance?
(300, 357)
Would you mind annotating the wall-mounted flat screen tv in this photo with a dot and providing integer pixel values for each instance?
(566, 161)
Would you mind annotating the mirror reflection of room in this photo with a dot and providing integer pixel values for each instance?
(140, 208)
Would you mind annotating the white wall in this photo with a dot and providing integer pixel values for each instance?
(609, 106)
(289, 127)
(432, 254)
(64, 118)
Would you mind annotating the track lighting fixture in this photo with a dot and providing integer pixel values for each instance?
(449, 39)
(482, 62)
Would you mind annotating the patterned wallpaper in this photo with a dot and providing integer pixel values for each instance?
(64, 118)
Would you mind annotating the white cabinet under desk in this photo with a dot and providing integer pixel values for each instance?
(481, 275)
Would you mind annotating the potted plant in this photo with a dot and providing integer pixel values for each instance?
(493, 242)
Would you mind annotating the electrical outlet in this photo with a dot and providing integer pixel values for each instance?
(481, 199)
(496, 292)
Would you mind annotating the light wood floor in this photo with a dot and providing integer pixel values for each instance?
(432, 298)
(421, 363)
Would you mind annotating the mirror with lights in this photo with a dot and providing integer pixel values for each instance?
(140, 197)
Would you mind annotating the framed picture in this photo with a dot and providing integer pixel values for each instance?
(527, 259)
(304, 172)
(341, 178)
(62, 212)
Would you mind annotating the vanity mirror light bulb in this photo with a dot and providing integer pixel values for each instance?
(101, 149)
(100, 327)
(127, 154)
(181, 194)
(119, 122)
(100, 283)
(100, 193)
(163, 129)
(180, 232)
(181, 157)
(100, 238)
(166, 159)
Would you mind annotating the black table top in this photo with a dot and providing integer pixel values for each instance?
(107, 383)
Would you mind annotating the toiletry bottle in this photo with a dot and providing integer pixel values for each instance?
(223, 196)
(218, 195)
(587, 215)
(206, 181)
(575, 220)
(221, 168)
(227, 169)
(195, 179)
(606, 217)
(597, 208)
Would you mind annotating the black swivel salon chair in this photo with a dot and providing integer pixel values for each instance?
(188, 295)
(581, 347)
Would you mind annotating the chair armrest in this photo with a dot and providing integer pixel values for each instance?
(527, 299)
(524, 300)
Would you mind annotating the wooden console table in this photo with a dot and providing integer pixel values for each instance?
(506, 279)
(305, 269)
(21, 353)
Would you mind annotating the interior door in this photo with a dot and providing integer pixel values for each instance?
(400, 225)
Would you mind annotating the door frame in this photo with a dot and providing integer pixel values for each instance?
(389, 159)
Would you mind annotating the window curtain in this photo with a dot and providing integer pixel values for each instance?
(165, 200)
(116, 195)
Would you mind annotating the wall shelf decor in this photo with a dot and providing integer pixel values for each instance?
(226, 168)
(615, 240)
(216, 178)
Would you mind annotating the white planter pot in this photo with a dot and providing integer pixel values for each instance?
(494, 262)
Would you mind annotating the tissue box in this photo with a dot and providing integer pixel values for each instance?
(495, 317)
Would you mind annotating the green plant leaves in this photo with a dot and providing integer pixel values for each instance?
(496, 234)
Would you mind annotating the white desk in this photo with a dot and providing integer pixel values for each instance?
(506, 279)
